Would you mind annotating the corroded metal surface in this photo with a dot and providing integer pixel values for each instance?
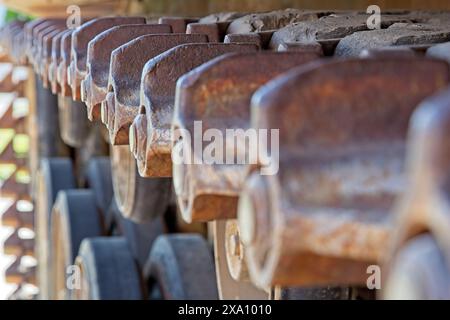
(214, 31)
(150, 139)
(55, 60)
(345, 163)
(178, 24)
(80, 40)
(46, 54)
(31, 30)
(61, 72)
(39, 32)
(340, 168)
(94, 86)
(218, 94)
(125, 78)
(422, 210)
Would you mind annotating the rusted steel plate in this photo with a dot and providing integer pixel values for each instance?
(262, 39)
(59, 60)
(28, 32)
(395, 35)
(125, 78)
(38, 32)
(38, 50)
(150, 139)
(31, 29)
(94, 86)
(55, 60)
(215, 26)
(178, 24)
(423, 207)
(215, 31)
(340, 168)
(80, 39)
(222, 17)
(63, 66)
(218, 94)
(40, 46)
(34, 46)
(46, 55)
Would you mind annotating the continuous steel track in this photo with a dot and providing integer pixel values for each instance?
(353, 176)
